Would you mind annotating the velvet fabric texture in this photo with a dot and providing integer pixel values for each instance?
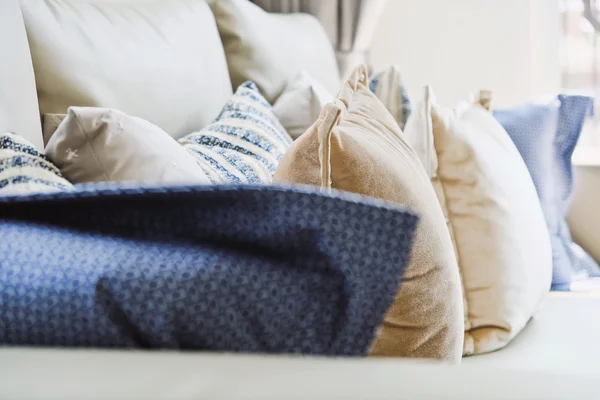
(357, 146)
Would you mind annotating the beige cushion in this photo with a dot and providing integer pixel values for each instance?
(271, 49)
(357, 146)
(496, 220)
(158, 60)
(300, 104)
(99, 144)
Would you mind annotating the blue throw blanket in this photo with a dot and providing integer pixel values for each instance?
(251, 269)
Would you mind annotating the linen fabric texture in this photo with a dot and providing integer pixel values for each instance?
(93, 144)
(495, 219)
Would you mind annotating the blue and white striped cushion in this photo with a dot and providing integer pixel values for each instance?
(244, 143)
(24, 170)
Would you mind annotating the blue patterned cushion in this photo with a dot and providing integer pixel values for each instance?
(387, 85)
(244, 143)
(546, 134)
(224, 268)
(25, 170)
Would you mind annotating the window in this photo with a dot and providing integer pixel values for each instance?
(581, 60)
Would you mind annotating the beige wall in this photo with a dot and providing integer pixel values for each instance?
(460, 46)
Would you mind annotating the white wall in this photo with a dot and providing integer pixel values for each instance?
(461, 46)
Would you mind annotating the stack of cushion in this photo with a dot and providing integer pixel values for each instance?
(481, 261)
(151, 120)
(242, 145)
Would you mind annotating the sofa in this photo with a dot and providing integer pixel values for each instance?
(554, 357)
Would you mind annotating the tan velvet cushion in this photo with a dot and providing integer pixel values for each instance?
(271, 49)
(495, 218)
(357, 146)
(158, 60)
(99, 144)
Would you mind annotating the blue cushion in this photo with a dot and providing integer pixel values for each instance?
(223, 268)
(546, 134)
(244, 143)
(24, 170)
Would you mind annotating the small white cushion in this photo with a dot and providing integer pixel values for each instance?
(94, 144)
(300, 104)
(271, 49)
(162, 61)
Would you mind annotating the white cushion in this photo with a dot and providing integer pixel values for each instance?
(94, 144)
(300, 104)
(271, 49)
(18, 100)
(160, 61)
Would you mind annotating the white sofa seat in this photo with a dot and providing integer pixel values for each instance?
(72, 374)
(563, 337)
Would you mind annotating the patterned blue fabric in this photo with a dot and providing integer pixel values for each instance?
(546, 135)
(244, 269)
(245, 142)
(24, 170)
